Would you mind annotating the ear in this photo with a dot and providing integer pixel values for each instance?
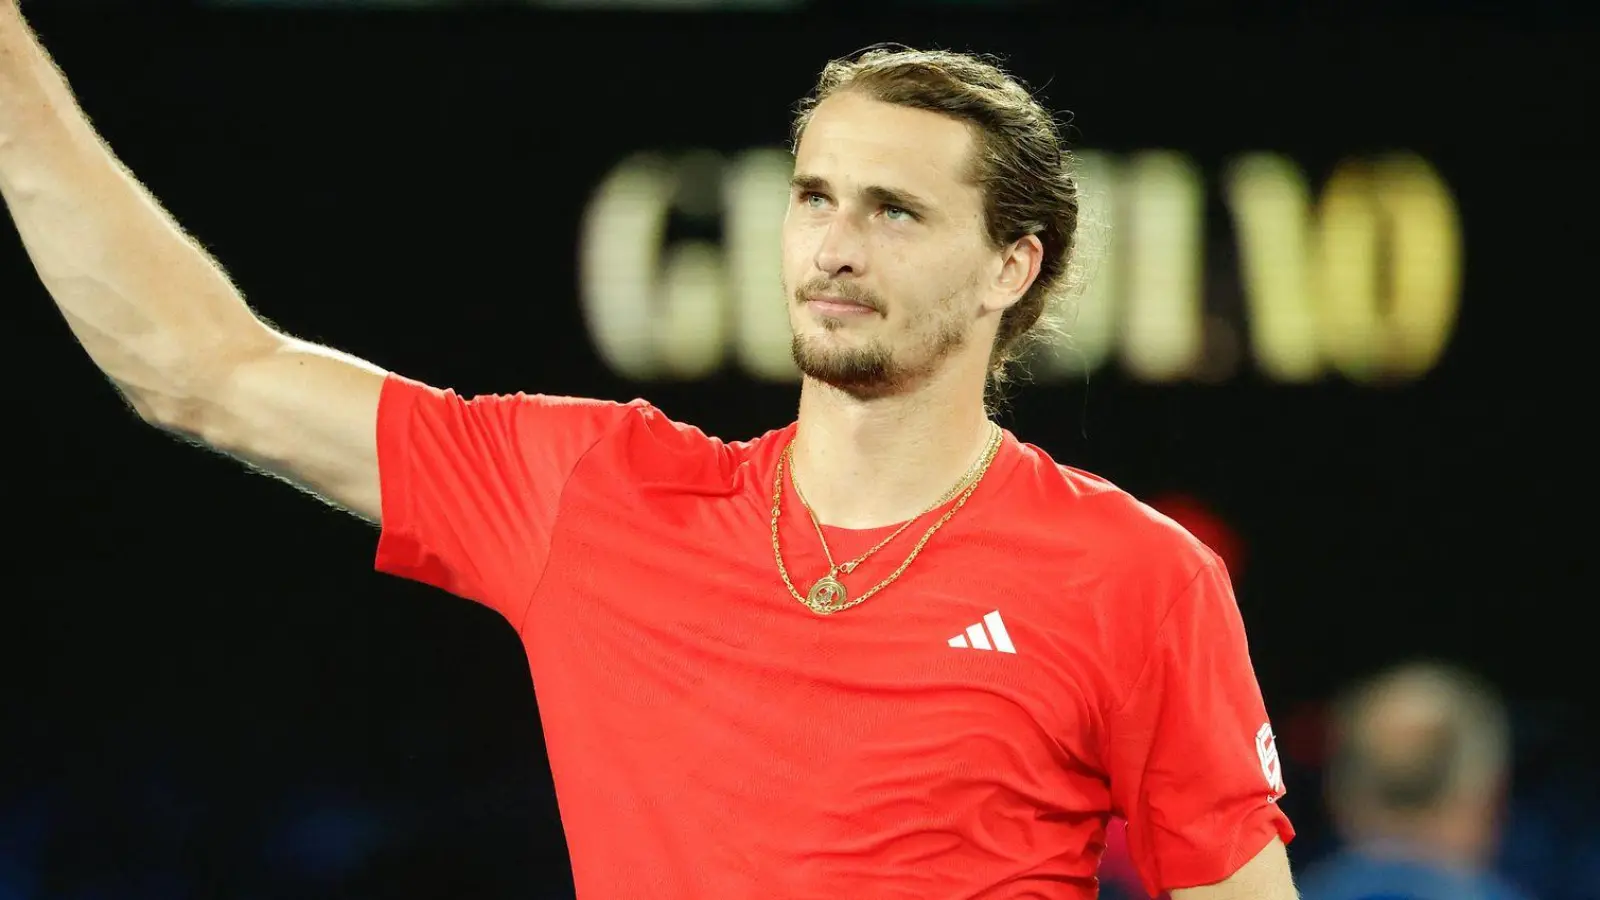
(1018, 270)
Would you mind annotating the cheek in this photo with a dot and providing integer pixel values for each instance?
(795, 248)
(932, 278)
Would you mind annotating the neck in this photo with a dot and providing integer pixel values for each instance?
(870, 463)
(1452, 837)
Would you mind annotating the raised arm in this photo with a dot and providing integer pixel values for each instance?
(157, 314)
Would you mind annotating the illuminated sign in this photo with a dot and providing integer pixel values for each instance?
(1362, 281)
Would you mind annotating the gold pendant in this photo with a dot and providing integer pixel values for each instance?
(827, 595)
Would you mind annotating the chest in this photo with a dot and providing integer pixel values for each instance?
(663, 617)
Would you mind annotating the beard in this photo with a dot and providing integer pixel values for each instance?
(874, 369)
(859, 371)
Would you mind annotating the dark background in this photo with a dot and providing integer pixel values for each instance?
(206, 691)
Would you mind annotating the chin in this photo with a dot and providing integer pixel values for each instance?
(863, 370)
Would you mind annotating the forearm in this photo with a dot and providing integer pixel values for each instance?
(153, 311)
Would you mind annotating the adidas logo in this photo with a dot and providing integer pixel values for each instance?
(995, 638)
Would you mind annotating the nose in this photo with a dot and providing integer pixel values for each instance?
(842, 250)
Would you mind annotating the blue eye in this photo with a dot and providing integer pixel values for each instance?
(898, 214)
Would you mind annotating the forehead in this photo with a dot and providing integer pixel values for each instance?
(853, 139)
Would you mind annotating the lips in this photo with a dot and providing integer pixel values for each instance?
(839, 304)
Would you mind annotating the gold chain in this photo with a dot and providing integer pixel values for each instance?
(828, 594)
(967, 477)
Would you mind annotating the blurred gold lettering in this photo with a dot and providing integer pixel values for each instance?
(756, 195)
(1271, 204)
(1163, 250)
(1364, 281)
(653, 311)
(1368, 282)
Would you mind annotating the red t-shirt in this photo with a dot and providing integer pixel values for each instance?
(1058, 654)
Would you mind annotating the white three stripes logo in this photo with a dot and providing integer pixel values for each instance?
(995, 638)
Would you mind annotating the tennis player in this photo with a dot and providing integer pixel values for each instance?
(888, 651)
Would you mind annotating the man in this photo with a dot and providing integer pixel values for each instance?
(1420, 762)
(888, 651)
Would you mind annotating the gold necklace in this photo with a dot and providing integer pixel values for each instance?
(828, 594)
(845, 568)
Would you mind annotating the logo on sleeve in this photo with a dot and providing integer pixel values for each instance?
(1267, 752)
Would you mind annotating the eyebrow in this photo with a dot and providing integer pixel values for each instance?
(883, 196)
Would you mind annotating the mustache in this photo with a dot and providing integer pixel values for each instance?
(844, 290)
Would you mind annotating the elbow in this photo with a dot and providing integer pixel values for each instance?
(147, 406)
(196, 418)
(186, 395)
(161, 386)
(180, 414)
(172, 404)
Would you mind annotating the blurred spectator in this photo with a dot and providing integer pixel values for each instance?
(1416, 785)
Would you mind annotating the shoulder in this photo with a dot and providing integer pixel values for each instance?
(647, 442)
(1101, 559)
(625, 436)
(407, 403)
(1103, 570)
(1088, 514)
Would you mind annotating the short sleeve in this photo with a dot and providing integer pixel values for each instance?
(1192, 760)
(471, 488)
